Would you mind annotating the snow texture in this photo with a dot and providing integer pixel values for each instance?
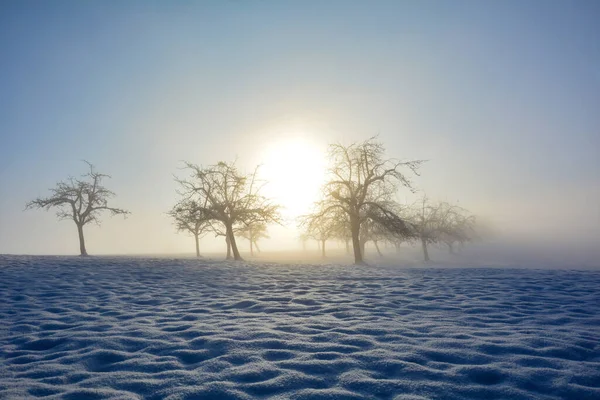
(134, 328)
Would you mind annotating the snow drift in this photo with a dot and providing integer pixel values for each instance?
(133, 328)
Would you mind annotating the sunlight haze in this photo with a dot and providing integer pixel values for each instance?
(501, 99)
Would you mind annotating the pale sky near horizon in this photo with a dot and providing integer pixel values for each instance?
(501, 97)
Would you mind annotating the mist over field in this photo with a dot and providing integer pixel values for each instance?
(507, 125)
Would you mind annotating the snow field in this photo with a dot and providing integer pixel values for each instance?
(134, 328)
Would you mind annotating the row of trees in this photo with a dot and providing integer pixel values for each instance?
(425, 223)
(358, 204)
(222, 200)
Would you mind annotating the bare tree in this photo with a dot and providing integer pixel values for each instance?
(457, 226)
(190, 217)
(397, 244)
(303, 238)
(441, 222)
(81, 200)
(362, 184)
(322, 226)
(229, 197)
(253, 233)
(426, 223)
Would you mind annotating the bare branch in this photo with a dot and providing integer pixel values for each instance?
(225, 195)
(362, 185)
(82, 200)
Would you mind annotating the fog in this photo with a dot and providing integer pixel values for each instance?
(500, 99)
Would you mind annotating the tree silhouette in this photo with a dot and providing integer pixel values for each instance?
(81, 200)
(323, 226)
(227, 196)
(426, 222)
(441, 222)
(457, 226)
(190, 217)
(253, 233)
(362, 184)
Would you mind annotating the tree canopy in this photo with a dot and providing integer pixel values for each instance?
(226, 195)
(189, 217)
(82, 200)
(362, 184)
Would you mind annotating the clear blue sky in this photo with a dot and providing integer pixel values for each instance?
(502, 97)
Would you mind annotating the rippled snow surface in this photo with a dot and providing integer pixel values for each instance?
(132, 328)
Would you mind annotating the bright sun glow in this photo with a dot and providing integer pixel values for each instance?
(295, 170)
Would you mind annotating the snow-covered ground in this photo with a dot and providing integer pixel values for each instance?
(133, 328)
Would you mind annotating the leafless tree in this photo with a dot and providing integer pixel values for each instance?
(81, 200)
(457, 226)
(303, 238)
(441, 222)
(323, 226)
(190, 217)
(229, 197)
(253, 233)
(362, 184)
(426, 221)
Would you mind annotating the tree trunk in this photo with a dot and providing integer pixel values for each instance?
(355, 228)
(82, 249)
(425, 252)
(197, 246)
(347, 246)
(234, 248)
(256, 245)
(323, 248)
(377, 247)
(251, 248)
(228, 246)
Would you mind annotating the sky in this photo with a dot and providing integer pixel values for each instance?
(500, 97)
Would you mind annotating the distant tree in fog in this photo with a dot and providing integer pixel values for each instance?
(303, 238)
(426, 222)
(322, 227)
(229, 197)
(441, 222)
(362, 184)
(81, 200)
(457, 226)
(253, 233)
(190, 217)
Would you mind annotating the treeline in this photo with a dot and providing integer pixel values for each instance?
(357, 205)
(222, 200)
(425, 223)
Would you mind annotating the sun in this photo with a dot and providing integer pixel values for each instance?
(295, 170)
